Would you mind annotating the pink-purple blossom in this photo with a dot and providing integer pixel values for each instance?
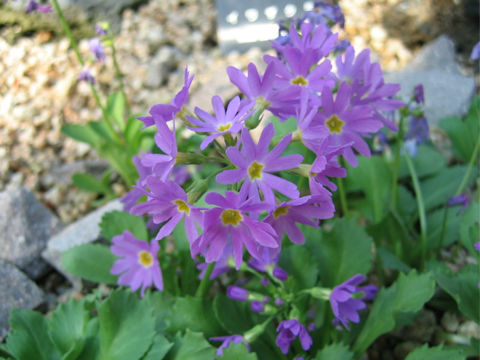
(229, 121)
(344, 305)
(138, 265)
(228, 229)
(256, 165)
(288, 331)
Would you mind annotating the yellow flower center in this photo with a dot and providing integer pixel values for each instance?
(255, 170)
(300, 80)
(282, 210)
(182, 206)
(145, 259)
(231, 217)
(335, 124)
(224, 127)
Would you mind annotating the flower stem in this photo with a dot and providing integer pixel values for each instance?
(119, 76)
(396, 164)
(420, 205)
(73, 43)
(202, 288)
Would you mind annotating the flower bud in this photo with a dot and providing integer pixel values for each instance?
(237, 293)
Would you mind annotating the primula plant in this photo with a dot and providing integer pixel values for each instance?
(302, 219)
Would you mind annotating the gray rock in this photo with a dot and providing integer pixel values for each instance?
(83, 231)
(164, 61)
(25, 227)
(446, 94)
(438, 54)
(16, 291)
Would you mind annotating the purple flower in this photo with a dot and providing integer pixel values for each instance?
(256, 164)
(131, 198)
(167, 203)
(228, 228)
(257, 306)
(219, 268)
(418, 132)
(167, 112)
(344, 122)
(344, 305)
(262, 90)
(418, 94)
(101, 29)
(475, 52)
(237, 293)
(325, 166)
(33, 5)
(162, 164)
(236, 339)
(86, 75)
(285, 216)
(280, 274)
(460, 199)
(96, 48)
(224, 122)
(138, 263)
(288, 330)
(477, 245)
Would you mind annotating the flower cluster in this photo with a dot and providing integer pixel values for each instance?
(335, 112)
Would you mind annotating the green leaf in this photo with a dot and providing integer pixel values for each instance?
(82, 133)
(407, 295)
(302, 267)
(463, 134)
(237, 352)
(435, 353)
(234, 316)
(91, 348)
(341, 252)
(116, 222)
(67, 326)
(127, 326)
(427, 162)
(28, 338)
(391, 261)
(435, 224)
(159, 349)
(192, 346)
(133, 133)
(89, 183)
(438, 189)
(91, 262)
(469, 227)
(334, 352)
(373, 177)
(161, 304)
(283, 128)
(103, 131)
(462, 286)
(115, 108)
(195, 314)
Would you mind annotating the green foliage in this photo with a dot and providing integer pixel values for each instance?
(126, 327)
(464, 133)
(195, 314)
(334, 352)
(116, 222)
(191, 346)
(407, 295)
(67, 327)
(462, 286)
(233, 316)
(373, 177)
(29, 337)
(237, 352)
(435, 353)
(89, 183)
(301, 265)
(341, 252)
(91, 262)
(159, 349)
